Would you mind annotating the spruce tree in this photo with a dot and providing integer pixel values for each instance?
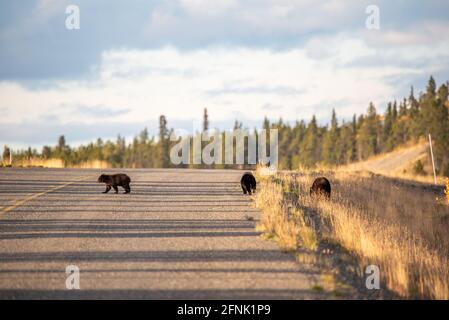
(164, 152)
(353, 155)
(310, 154)
(205, 120)
(6, 155)
(388, 129)
(368, 138)
(330, 143)
(414, 127)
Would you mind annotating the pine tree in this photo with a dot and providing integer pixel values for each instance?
(61, 147)
(284, 134)
(443, 93)
(345, 144)
(414, 128)
(6, 154)
(388, 129)
(428, 105)
(395, 111)
(238, 125)
(266, 124)
(311, 152)
(164, 152)
(435, 121)
(295, 146)
(431, 87)
(205, 121)
(403, 108)
(399, 132)
(368, 138)
(353, 154)
(119, 152)
(441, 129)
(330, 144)
(46, 152)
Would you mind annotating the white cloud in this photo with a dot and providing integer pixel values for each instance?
(250, 20)
(228, 81)
(48, 8)
(240, 59)
(424, 33)
(207, 7)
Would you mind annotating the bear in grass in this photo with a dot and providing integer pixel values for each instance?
(115, 180)
(248, 183)
(321, 187)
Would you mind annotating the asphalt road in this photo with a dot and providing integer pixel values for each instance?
(185, 234)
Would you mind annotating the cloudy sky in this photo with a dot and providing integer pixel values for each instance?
(131, 61)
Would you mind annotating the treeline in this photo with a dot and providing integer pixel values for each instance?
(143, 152)
(371, 133)
(301, 144)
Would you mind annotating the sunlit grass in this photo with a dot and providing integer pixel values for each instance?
(400, 229)
(59, 163)
(446, 190)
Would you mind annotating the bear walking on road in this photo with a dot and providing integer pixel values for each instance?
(248, 183)
(115, 180)
(321, 187)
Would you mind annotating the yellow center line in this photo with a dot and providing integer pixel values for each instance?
(35, 195)
(15, 201)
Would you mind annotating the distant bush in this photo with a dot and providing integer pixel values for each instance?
(418, 168)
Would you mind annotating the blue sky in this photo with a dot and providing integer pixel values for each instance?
(131, 61)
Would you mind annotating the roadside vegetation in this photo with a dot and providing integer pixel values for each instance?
(446, 190)
(400, 227)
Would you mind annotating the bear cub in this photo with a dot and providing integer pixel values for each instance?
(115, 180)
(321, 187)
(248, 183)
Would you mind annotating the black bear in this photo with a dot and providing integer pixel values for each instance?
(248, 183)
(321, 187)
(115, 180)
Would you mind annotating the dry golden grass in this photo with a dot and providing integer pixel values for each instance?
(281, 218)
(275, 222)
(59, 163)
(429, 179)
(48, 163)
(382, 221)
(446, 190)
(93, 164)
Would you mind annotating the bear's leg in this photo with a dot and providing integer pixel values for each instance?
(127, 188)
(108, 187)
(244, 189)
(115, 188)
(248, 188)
